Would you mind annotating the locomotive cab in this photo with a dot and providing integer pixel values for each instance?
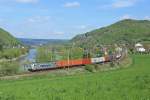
(33, 66)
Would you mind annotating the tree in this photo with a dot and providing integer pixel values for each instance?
(1, 46)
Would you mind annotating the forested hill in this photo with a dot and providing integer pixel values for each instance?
(6, 39)
(125, 31)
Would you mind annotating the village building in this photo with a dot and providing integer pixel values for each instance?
(140, 48)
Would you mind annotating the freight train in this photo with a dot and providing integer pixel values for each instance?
(71, 63)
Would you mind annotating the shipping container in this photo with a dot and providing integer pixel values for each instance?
(98, 60)
(107, 58)
(67, 63)
(76, 62)
(86, 61)
(118, 56)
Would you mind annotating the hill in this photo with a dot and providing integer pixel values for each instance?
(125, 31)
(132, 83)
(37, 42)
(6, 39)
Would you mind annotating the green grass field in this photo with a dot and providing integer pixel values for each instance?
(132, 83)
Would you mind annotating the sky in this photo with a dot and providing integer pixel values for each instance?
(64, 19)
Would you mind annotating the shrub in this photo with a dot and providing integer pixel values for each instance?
(13, 53)
(112, 64)
(8, 68)
(90, 68)
(96, 66)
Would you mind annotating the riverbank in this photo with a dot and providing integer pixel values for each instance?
(14, 59)
(12, 54)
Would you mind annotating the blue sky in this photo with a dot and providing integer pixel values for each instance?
(63, 19)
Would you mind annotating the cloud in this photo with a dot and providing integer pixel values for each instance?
(126, 16)
(72, 4)
(147, 17)
(57, 33)
(124, 3)
(82, 26)
(120, 4)
(38, 19)
(26, 1)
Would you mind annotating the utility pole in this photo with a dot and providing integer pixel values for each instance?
(52, 54)
(69, 55)
(68, 58)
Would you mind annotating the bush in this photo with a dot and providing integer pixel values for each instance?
(112, 64)
(1, 54)
(96, 67)
(44, 55)
(13, 53)
(90, 68)
(8, 68)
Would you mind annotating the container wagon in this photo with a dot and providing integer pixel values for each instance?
(71, 63)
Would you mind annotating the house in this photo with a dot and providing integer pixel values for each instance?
(140, 48)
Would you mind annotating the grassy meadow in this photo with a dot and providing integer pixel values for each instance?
(132, 83)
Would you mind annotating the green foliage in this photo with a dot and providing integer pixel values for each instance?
(126, 32)
(90, 68)
(132, 83)
(112, 64)
(1, 46)
(8, 68)
(44, 54)
(7, 40)
(12, 53)
(59, 52)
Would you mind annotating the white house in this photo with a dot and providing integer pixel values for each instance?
(140, 48)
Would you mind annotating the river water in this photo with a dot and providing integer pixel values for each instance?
(30, 57)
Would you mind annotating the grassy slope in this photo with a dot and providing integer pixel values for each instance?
(127, 31)
(7, 39)
(126, 84)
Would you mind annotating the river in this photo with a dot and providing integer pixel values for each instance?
(30, 57)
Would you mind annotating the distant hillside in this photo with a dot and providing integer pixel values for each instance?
(125, 31)
(36, 42)
(7, 39)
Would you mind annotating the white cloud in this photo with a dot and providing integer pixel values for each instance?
(38, 19)
(126, 16)
(120, 4)
(27, 1)
(147, 17)
(57, 33)
(124, 3)
(72, 4)
(82, 26)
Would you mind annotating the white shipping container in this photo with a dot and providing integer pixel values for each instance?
(118, 55)
(97, 60)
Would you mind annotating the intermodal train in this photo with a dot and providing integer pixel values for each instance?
(71, 63)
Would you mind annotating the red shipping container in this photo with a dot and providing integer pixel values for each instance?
(107, 58)
(66, 63)
(75, 62)
(86, 61)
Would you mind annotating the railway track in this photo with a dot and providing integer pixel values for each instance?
(25, 74)
(42, 72)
